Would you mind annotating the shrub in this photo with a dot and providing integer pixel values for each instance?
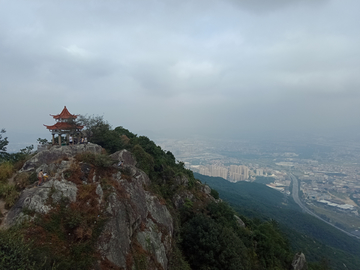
(21, 180)
(15, 253)
(6, 170)
(32, 178)
(98, 160)
(208, 245)
(145, 160)
(214, 193)
(9, 193)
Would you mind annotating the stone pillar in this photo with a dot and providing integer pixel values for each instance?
(53, 139)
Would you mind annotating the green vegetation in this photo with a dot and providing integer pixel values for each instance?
(3, 143)
(159, 165)
(314, 238)
(342, 220)
(264, 180)
(207, 234)
(9, 164)
(15, 252)
(9, 194)
(213, 239)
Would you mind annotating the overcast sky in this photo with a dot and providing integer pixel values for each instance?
(189, 67)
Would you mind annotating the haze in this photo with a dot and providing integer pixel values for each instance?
(215, 68)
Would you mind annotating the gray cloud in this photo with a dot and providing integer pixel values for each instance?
(263, 6)
(181, 67)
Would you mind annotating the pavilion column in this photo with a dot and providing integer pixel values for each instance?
(59, 139)
(53, 139)
(67, 139)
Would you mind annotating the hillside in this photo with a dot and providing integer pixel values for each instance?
(124, 203)
(306, 233)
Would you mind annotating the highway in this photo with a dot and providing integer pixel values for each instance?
(295, 195)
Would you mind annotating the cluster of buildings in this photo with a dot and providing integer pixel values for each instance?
(233, 173)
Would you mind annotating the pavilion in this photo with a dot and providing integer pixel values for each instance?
(65, 124)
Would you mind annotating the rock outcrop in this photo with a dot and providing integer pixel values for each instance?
(56, 153)
(299, 262)
(137, 221)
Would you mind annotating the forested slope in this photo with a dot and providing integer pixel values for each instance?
(315, 238)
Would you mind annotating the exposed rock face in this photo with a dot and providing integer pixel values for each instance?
(46, 157)
(124, 156)
(299, 262)
(35, 199)
(181, 198)
(137, 221)
(239, 221)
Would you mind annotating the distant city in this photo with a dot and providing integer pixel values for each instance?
(328, 170)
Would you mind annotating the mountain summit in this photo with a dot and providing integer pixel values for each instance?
(136, 208)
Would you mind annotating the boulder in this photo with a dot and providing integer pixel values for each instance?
(299, 262)
(239, 221)
(125, 156)
(35, 199)
(56, 153)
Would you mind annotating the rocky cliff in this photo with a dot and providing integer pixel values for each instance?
(99, 211)
(137, 226)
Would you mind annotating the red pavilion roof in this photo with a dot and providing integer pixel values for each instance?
(62, 125)
(65, 114)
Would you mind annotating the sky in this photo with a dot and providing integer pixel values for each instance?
(214, 67)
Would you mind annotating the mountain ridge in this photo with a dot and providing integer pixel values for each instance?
(124, 203)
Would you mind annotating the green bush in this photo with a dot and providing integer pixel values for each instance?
(9, 193)
(208, 245)
(6, 170)
(98, 160)
(214, 193)
(15, 253)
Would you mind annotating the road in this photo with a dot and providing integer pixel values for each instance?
(295, 195)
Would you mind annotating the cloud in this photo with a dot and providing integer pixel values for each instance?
(181, 65)
(191, 69)
(263, 6)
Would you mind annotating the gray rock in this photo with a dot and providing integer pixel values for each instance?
(299, 262)
(151, 240)
(125, 156)
(62, 189)
(239, 221)
(180, 198)
(181, 180)
(206, 189)
(99, 192)
(56, 153)
(134, 213)
(114, 242)
(36, 198)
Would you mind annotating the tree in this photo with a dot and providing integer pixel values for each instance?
(42, 141)
(3, 143)
(209, 245)
(100, 132)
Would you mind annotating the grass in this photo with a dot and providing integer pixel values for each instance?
(9, 194)
(6, 171)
